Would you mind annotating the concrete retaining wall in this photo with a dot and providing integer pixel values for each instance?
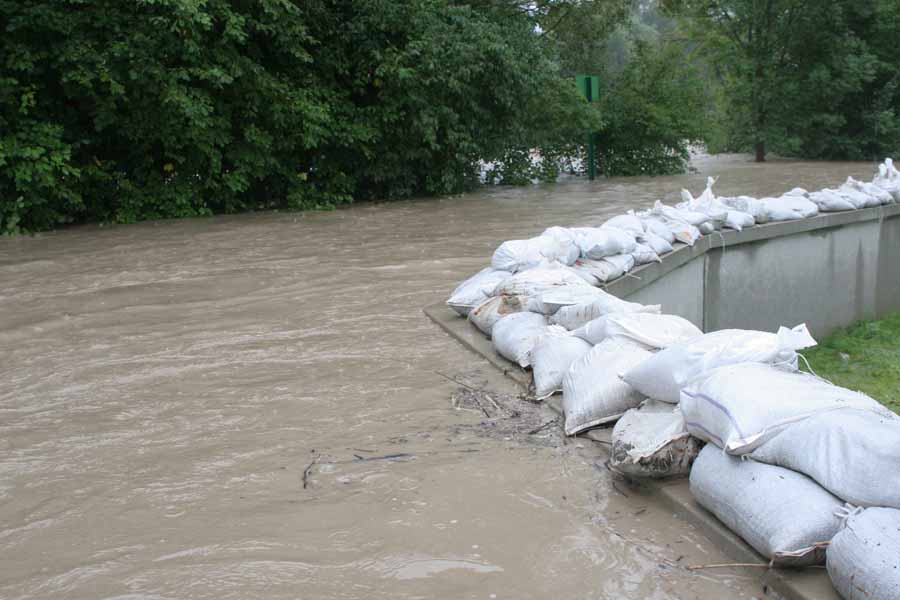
(828, 271)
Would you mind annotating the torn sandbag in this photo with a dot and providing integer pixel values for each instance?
(652, 441)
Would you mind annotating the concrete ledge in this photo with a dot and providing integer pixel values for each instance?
(808, 584)
(646, 274)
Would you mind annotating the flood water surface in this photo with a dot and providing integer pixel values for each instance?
(256, 407)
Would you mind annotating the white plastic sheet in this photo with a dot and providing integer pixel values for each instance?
(652, 441)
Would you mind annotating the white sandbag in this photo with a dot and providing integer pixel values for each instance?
(856, 197)
(888, 179)
(752, 206)
(863, 559)
(532, 284)
(798, 191)
(706, 203)
(878, 195)
(599, 272)
(684, 232)
(573, 317)
(565, 248)
(599, 242)
(569, 295)
(740, 407)
(652, 441)
(593, 393)
(706, 228)
(665, 374)
(648, 329)
(660, 245)
(627, 222)
(787, 208)
(475, 290)
(552, 355)
(514, 336)
(486, 314)
(737, 220)
(517, 255)
(675, 214)
(520, 255)
(783, 515)
(659, 228)
(831, 201)
(644, 254)
(854, 454)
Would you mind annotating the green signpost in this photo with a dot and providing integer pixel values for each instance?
(589, 85)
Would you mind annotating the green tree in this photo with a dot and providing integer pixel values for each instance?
(802, 78)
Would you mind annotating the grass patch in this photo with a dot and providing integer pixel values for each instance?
(864, 357)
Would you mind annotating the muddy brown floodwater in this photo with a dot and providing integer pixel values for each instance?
(256, 407)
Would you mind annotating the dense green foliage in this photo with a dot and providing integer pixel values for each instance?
(865, 357)
(802, 78)
(118, 111)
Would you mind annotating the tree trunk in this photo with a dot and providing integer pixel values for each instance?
(761, 151)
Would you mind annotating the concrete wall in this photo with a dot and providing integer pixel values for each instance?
(828, 271)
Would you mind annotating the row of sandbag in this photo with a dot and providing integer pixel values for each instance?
(600, 254)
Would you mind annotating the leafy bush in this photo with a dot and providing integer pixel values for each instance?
(120, 111)
(652, 111)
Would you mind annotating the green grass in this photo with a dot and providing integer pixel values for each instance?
(864, 357)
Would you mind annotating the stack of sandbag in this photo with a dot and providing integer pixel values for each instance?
(593, 391)
(532, 284)
(653, 441)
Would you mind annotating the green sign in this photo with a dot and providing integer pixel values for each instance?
(589, 85)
